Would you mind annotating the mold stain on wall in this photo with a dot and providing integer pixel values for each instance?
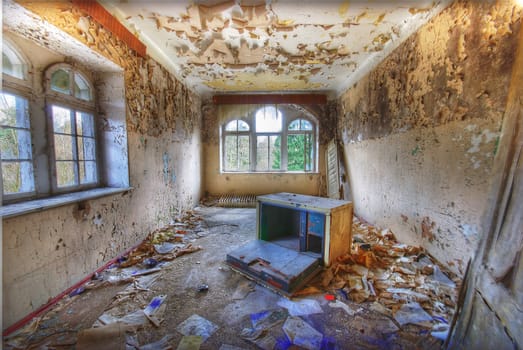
(420, 131)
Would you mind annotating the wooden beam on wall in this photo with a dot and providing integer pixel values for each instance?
(109, 22)
(270, 98)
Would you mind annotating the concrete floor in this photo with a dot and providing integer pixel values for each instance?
(228, 303)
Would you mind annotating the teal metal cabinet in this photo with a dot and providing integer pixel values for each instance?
(297, 234)
(317, 226)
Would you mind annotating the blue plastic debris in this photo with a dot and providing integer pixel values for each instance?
(154, 310)
(77, 291)
(150, 263)
(302, 334)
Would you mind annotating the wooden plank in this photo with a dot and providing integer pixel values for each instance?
(269, 263)
(499, 220)
(104, 17)
(485, 322)
(341, 233)
(333, 179)
(270, 98)
(503, 304)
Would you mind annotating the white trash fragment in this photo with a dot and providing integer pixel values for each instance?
(342, 305)
(301, 307)
(154, 311)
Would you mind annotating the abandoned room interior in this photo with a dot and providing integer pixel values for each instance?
(244, 174)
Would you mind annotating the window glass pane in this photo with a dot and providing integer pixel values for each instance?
(14, 111)
(296, 152)
(268, 153)
(86, 148)
(63, 147)
(242, 126)
(62, 120)
(295, 125)
(306, 125)
(300, 152)
(300, 124)
(275, 152)
(232, 126)
(81, 88)
(15, 144)
(60, 81)
(17, 177)
(243, 153)
(237, 125)
(262, 153)
(65, 174)
(12, 64)
(87, 172)
(231, 153)
(84, 124)
(268, 119)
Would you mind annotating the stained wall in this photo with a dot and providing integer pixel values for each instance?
(46, 252)
(420, 131)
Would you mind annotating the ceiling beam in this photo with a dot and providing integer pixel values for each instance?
(270, 98)
(109, 22)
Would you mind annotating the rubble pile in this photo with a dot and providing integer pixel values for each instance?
(381, 269)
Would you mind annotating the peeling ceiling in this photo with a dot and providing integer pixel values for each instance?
(268, 46)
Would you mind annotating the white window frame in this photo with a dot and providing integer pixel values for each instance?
(54, 98)
(237, 134)
(111, 131)
(20, 87)
(250, 119)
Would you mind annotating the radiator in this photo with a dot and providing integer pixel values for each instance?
(237, 201)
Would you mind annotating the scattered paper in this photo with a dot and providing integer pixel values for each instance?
(197, 325)
(301, 307)
(155, 310)
(302, 334)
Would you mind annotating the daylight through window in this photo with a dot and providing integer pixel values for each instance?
(268, 138)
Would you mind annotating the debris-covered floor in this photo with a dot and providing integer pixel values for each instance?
(176, 292)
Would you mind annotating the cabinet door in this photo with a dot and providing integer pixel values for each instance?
(315, 232)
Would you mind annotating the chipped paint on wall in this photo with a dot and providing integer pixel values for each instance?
(420, 131)
(155, 99)
(163, 119)
(210, 45)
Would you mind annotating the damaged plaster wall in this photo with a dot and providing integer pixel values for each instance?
(218, 183)
(420, 131)
(51, 250)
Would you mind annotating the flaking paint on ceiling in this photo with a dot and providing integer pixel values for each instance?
(232, 46)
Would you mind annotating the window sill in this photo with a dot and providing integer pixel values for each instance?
(270, 172)
(16, 209)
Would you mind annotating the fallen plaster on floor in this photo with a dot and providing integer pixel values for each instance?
(223, 308)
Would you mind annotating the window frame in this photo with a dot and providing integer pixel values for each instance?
(112, 150)
(312, 132)
(237, 133)
(9, 197)
(74, 104)
(250, 119)
(20, 87)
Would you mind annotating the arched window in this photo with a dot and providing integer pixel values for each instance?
(269, 146)
(15, 128)
(12, 62)
(71, 109)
